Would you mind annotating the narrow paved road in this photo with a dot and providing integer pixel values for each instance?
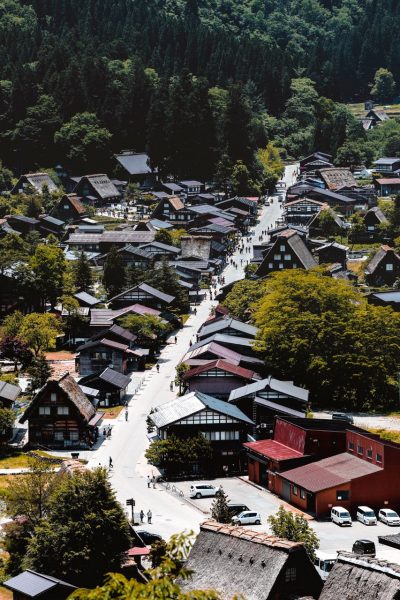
(129, 439)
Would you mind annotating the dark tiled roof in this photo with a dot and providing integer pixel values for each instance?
(114, 378)
(223, 365)
(8, 391)
(32, 584)
(148, 289)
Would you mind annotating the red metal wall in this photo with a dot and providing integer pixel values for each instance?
(289, 435)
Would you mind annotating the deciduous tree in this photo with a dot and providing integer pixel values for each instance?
(295, 528)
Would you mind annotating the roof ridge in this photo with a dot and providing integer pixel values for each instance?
(249, 535)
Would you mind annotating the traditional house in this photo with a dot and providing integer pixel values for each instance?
(111, 386)
(35, 181)
(171, 209)
(338, 201)
(389, 186)
(97, 189)
(287, 252)
(383, 268)
(241, 344)
(51, 225)
(103, 242)
(354, 576)
(158, 250)
(227, 326)
(173, 189)
(136, 165)
(390, 298)
(69, 209)
(223, 424)
(331, 253)
(23, 224)
(338, 227)
(263, 400)
(299, 212)
(251, 564)
(373, 218)
(336, 178)
(30, 584)
(97, 354)
(368, 469)
(86, 299)
(316, 161)
(142, 293)
(131, 256)
(218, 378)
(105, 317)
(8, 394)
(377, 116)
(387, 165)
(191, 187)
(61, 416)
(295, 442)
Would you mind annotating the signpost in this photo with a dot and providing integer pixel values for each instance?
(130, 502)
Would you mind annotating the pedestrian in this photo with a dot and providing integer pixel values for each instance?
(109, 431)
(190, 342)
(126, 414)
(149, 515)
(158, 368)
(195, 311)
(110, 463)
(154, 483)
(176, 340)
(148, 481)
(104, 432)
(171, 386)
(141, 515)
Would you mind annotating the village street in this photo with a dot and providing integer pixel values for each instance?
(129, 441)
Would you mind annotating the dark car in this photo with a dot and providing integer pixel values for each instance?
(343, 417)
(236, 509)
(364, 547)
(148, 537)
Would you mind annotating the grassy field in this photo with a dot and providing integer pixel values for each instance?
(19, 460)
(387, 434)
(358, 110)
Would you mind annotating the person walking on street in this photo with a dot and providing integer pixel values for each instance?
(126, 414)
(171, 386)
(176, 340)
(110, 463)
(149, 515)
(154, 482)
(148, 481)
(141, 515)
(158, 368)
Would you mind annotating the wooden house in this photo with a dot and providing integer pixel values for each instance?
(136, 167)
(387, 165)
(97, 354)
(336, 178)
(299, 212)
(237, 562)
(373, 218)
(263, 400)
(228, 326)
(30, 584)
(142, 294)
(383, 268)
(61, 416)
(23, 224)
(218, 378)
(287, 252)
(35, 182)
(223, 424)
(331, 253)
(103, 242)
(111, 385)
(191, 187)
(97, 189)
(354, 576)
(315, 161)
(387, 186)
(69, 209)
(50, 225)
(172, 210)
(131, 256)
(377, 116)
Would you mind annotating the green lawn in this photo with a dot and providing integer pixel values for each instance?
(19, 460)
(358, 109)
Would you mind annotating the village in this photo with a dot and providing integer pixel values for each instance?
(149, 366)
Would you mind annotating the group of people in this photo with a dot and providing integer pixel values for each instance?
(149, 516)
(107, 431)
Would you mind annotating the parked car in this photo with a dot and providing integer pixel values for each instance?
(148, 537)
(388, 516)
(324, 562)
(343, 417)
(247, 517)
(236, 509)
(364, 547)
(202, 490)
(340, 516)
(366, 515)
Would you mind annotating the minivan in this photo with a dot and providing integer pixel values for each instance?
(343, 417)
(366, 515)
(364, 547)
(202, 490)
(341, 516)
(388, 516)
(324, 563)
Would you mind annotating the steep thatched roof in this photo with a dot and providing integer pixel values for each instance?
(354, 577)
(235, 561)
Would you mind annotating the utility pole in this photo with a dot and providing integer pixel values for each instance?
(130, 502)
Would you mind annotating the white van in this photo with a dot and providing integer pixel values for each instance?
(341, 516)
(366, 515)
(324, 563)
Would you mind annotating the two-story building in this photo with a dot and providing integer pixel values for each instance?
(218, 378)
(97, 189)
(61, 416)
(287, 252)
(69, 209)
(383, 268)
(301, 211)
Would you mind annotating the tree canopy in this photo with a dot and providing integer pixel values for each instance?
(295, 528)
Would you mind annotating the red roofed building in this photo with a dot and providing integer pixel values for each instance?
(366, 473)
(218, 377)
(296, 441)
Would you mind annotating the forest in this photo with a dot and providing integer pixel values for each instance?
(201, 85)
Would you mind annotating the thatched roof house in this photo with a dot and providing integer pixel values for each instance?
(235, 561)
(354, 577)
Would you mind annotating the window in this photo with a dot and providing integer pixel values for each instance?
(389, 267)
(369, 453)
(281, 265)
(53, 397)
(282, 248)
(342, 494)
(288, 257)
(74, 436)
(294, 265)
(270, 265)
(59, 436)
(351, 446)
(295, 490)
(360, 450)
(379, 458)
(277, 257)
(62, 410)
(44, 410)
(302, 494)
(370, 228)
(221, 436)
(290, 575)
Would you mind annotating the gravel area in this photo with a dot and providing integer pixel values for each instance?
(367, 421)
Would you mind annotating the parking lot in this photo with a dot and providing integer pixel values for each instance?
(331, 536)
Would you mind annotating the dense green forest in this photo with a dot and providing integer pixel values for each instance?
(197, 83)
